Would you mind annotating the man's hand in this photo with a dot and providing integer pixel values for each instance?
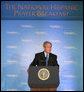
(28, 70)
(58, 70)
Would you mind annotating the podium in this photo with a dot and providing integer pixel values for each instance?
(43, 78)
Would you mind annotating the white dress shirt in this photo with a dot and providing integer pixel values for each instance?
(46, 54)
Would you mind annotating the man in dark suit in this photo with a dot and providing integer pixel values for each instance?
(45, 58)
(40, 60)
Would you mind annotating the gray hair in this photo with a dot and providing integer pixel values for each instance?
(46, 43)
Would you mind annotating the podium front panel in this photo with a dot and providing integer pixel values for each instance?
(42, 76)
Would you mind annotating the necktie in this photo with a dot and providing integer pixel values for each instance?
(47, 60)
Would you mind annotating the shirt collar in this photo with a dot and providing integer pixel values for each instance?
(46, 53)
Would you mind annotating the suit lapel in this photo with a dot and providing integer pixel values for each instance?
(49, 57)
(43, 56)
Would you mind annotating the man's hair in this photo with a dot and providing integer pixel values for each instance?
(46, 43)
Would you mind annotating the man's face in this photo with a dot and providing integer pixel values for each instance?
(47, 48)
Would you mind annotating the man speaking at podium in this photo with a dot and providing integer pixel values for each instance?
(45, 58)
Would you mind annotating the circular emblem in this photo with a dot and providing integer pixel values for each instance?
(43, 74)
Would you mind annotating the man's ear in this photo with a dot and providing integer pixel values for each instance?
(43, 47)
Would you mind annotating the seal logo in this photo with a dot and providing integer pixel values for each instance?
(43, 74)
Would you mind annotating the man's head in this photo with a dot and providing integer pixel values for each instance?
(47, 46)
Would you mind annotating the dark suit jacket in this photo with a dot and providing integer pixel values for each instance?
(40, 60)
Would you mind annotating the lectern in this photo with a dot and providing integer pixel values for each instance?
(43, 78)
